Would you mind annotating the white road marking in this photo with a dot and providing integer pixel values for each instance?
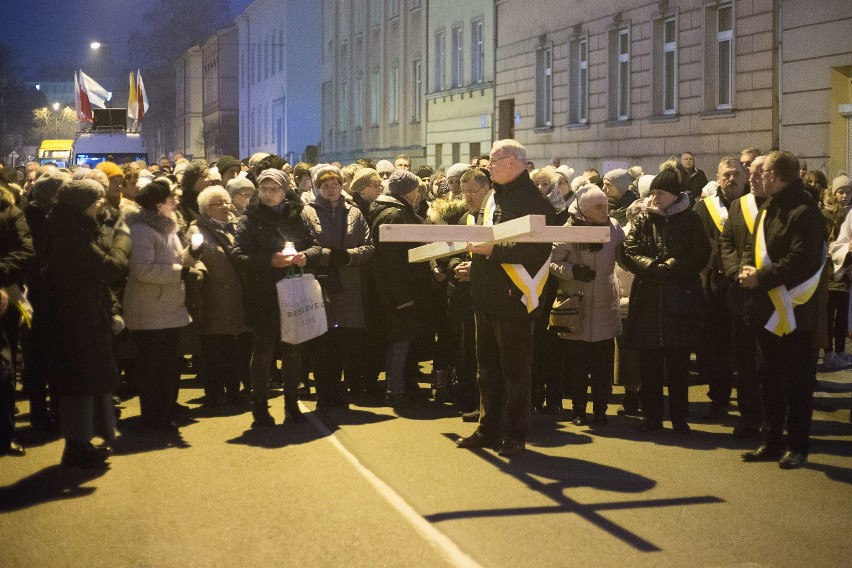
(451, 552)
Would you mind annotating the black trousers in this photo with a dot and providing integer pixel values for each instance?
(591, 364)
(714, 354)
(334, 353)
(665, 366)
(158, 367)
(504, 348)
(466, 392)
(787, 376)
(7, 403)
(838, 319)
(224, 364)
(548, 364)
(745, 354)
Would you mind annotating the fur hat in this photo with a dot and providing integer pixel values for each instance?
(79, 194)
(402, 182)
(668, 181)
(620, 178)
(110, 169)
(323, 172)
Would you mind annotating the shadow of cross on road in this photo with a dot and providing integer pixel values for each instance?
(531, 465)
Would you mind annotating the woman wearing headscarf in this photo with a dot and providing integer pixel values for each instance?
(155, 302)
(344, 236)
(588, 269)
(77, 271)
(268, 225)
(224, 336)
(666, 249)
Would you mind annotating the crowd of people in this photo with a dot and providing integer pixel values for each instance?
(117, 279)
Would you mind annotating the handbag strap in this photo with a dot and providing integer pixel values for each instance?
(291, 271)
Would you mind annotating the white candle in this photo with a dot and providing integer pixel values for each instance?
(289, 249)
(196, 240)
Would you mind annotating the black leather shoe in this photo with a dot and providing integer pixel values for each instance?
(511, 448)
(681, 427)
(792, 460)
(262, 419)
(471, 416)
(14, 449)
(478, 440)
(763, 453)
(83, 455)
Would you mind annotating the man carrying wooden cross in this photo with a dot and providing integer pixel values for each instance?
(507, 280)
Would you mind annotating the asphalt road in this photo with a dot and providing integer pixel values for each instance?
(367, 487)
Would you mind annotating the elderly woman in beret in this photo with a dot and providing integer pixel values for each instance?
(267, 226)
(77, 272)
(344, 236)
(155, 301)
(241, 190)
(224, 337)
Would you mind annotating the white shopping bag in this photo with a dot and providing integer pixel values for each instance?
(302, 308)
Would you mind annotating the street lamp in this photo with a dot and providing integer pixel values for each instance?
(95, 45)
(55, 106)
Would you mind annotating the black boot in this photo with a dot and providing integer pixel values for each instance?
(261, 416)
(83, 454)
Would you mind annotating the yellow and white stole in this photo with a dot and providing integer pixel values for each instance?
(748, 204)
(783, 319)
(718, 211)
(531, 287)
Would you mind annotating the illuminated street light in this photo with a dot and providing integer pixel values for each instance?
(95, 45)
(55, 106)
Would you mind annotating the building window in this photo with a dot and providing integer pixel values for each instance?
(251, 64)
(327, 106)
(267, 123)
(274, 56)
(253, 129)
(375, 13)
(393, 9)
(375, 97)
(724, 43)
(440, 59)
(266, 58)
(578, 84)
(243, 70)
(457, 57)
(359, 17)
(664, 64)
(477, 53)
(544, 86)
(619, 76)
(343, 107)
(358, 102)
(393, 95)
(280, 50)
(417, 91)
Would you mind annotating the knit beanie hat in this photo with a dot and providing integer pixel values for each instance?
(361, 179)
(79, 194)
(566, 172)
(644, 185)
(667, 180)
(45, 188)
(456, 170)
(588, 196)
(238, 184)
(384, 166)
(402, 182)
(110, 169)
(321, 173)
(840, 181)
(620, 178)
(278, 176)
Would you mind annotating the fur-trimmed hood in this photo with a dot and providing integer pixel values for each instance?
(445, 211)
(163, 225)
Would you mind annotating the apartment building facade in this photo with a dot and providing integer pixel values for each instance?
(220, 93)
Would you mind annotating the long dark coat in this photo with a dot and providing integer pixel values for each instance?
(78, 271)
(676, 237)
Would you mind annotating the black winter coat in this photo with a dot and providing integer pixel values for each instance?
(77, 271)
(261, 233)
(16, 244)
(399, 281)
(713, 280)
(732, 243)
(492, 290)
(665, 310)
(795, 242)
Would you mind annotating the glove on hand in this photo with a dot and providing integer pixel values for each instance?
(338, 257)
(583, 273)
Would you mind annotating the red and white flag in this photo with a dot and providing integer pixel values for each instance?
(81, 100)
(141, 97)
(98, 96)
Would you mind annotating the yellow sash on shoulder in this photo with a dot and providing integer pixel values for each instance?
(718, 211)
(748, 204)
(783, 319)
(531, 287)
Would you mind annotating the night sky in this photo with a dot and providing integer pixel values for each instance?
(47, 31)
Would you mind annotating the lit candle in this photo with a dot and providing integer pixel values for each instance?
(289, 249)
(196, 240)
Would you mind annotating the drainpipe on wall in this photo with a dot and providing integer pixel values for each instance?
(776, 74)
(494, 112)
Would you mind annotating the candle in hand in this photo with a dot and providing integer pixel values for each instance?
(289, 249)
(196, 240)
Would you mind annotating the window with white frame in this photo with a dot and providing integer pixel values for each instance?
(358, 103)
(375, 97)
(393, 94)
(343, 107)
(544, 86)
(665, 66)
(724, 53)
(440, 59)
(619, 74)
(375, 13)
(578, 84)
(456, 57)
(359, 17)
(416, 91)
(477, 53)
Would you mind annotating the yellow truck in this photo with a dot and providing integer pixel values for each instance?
(55, 152)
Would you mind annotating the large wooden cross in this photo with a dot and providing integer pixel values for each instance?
(447, 240)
